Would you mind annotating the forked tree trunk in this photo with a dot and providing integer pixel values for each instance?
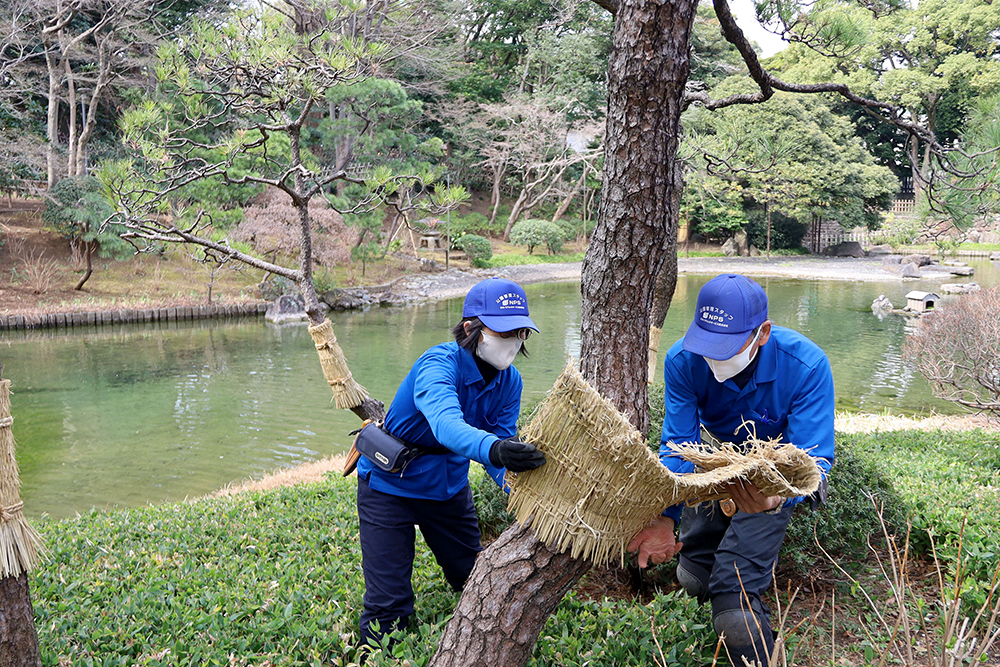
(517, 582)
(640, 200)
(663, 295)
(571, 196)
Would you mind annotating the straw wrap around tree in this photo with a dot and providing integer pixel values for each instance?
(601, 484)
(19, 552)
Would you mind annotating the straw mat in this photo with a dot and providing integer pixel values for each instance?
(601, 484)
(19, 543)
(347, 393)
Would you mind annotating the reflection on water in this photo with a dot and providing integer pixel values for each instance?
(134, 414)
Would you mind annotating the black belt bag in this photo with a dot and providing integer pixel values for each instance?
(386, 452)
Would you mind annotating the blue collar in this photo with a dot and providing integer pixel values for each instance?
(468, 367)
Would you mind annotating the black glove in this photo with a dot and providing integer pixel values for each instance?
(515, 456)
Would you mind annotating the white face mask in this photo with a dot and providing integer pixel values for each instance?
(496, 351)
(728, 368)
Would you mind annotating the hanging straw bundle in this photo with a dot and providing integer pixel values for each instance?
(19, 543)
(346, 392)
(601, 483)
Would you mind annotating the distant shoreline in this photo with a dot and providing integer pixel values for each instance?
(456, 282)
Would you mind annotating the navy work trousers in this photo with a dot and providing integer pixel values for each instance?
(733, 558)
(717, 546)
(387, 522)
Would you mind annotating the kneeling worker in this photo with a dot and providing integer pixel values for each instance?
(459, 403)
(737, 376)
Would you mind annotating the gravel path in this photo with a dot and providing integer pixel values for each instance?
(456, 282)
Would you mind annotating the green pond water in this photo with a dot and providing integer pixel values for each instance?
(129, 415)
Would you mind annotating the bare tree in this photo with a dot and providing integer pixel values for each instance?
(530, 145)
(86, 46)
(957, 348)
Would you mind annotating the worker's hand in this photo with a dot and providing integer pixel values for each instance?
(515, 456)
(749, 499)
(656, 542)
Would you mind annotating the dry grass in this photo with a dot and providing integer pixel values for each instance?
(847, 422)
(302, 474)
(39, 273)
(20, 545)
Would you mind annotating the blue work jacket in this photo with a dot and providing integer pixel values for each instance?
(444, 402)
(789, 397)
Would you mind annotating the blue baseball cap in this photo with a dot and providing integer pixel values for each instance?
(499, 304)
(730, 306)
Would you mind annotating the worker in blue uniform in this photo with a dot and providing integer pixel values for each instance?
(732, 376)
(459, 403)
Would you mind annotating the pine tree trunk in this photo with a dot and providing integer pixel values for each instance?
(518, 581)
(524, 578)
(663, 295)
(18, 639)
(88, 253)
(640, 201)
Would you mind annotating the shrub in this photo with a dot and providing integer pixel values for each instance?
(510, 259)
(534, 232)
(573, 228)
(76, 208)
(472, 223)
(845, 523)
(957, 348)
(477, 249)
(491, 507)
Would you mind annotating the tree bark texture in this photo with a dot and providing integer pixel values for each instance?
(515, 586)
(18, 639)
(518, 581)
(640, 202)
(663, 295)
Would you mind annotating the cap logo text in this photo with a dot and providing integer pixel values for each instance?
(716, 316)
(510, 300)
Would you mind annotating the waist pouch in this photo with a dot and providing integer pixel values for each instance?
(387, 452)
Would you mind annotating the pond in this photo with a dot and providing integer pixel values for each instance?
(128, 415)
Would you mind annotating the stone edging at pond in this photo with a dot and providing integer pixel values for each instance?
(129, 316)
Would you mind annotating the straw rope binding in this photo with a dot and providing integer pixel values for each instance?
(20, 545)
(347, 393)
(601, 483)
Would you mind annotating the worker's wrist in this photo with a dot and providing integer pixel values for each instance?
(777, 508)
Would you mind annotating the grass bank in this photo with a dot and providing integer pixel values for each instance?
(273, 577)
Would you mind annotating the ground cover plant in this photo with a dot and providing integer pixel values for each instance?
(275, 578)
